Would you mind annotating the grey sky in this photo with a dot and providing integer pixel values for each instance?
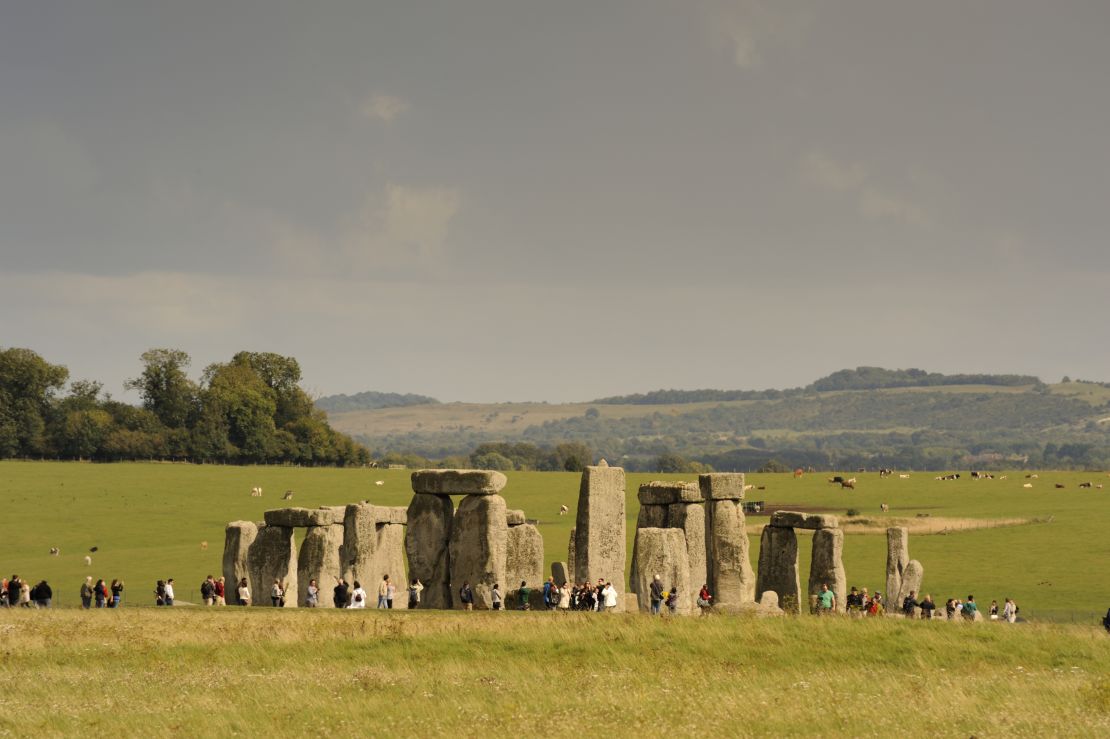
(535, 200)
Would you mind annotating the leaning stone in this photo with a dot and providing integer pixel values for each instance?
(477, 547)
(728, 565)
(560, 573)
(238, 537)
(897, 557)
(600, 528)
(722, 486)
(690, 517)
(272, 556)
(373, 546)
(300, 517)
(515, 518)
(649, 517)
(458, 482)
(912, 577)
(799, 520)
(430, 518)
(665, 493)
(319, 561)
(778, 566)
(827, 565)
(524, 561)
(663, 553)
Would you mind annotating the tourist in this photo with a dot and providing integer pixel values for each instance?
(466, 596)
(656, 595)
(610, 597)
(220, 592)
(169, 592)
(383, 591)
(159, 592)
(100, 592)
(495, 597)
(415, 589)
(340, 593)
(1009, 611)
(927, 607)
(970, 609)
(24, 594)
(993, 611)
(42, 595)
(826, 601)
(1105, 619)
(277, 594)
(390, 591)
(672, 600)
(522, 596)
(358, 597)
(564, 597)
(705, 599)
(550, 597)
(243, 593)
(312, 594)
(4, 593)
(207, 591)
(909, 604)
(853, 603)
(86, 592)
(950, 609)
(876, 606)
(117, 593)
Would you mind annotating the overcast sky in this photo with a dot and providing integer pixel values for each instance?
(558, 200)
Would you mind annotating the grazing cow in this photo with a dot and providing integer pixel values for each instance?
(1099, 486)
(849, 484)
(761, 487)
(748, 487)
(836, 480)
(884, 507)
(379, 482)
(562, 510)
(1059, 486)
(204, 546)
(1085, 485)
(1027, 485)
(256, 492)
(1002, 477)
(288, 495)
(954, 476)
(798, 472)
(88, 561)
(54, 551)
(884, 472)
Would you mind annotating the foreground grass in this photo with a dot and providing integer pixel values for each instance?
(285, 673)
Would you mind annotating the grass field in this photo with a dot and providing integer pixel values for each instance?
(148, 522)
(220, 672)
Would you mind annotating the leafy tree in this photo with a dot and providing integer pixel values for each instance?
(27, 387)
(492, 461)
(164, 387)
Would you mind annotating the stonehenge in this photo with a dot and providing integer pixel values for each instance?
(663, 552)
(238, 537)
(477, 547)
(729, 571)
(430, 518)
(371, 546)
(897, 557)
(827, 565)
(778, 558)
(778, 566)
(524, 562)
(272, 556)
(318, 560)
(600, 528)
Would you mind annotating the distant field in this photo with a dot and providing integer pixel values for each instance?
(148, 522)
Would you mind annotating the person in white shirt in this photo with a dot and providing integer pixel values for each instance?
(610, 594)
(383, 592)
(169, 592)
(358, 596)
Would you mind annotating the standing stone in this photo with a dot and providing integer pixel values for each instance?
(373, 546)
(897, 556)
(663, 552)
(272, 556)
(571, 546)
(649, 517)
(600, 539)
(524, 561)
(430, 520)
(778, 566)
(690, 517)
(319, 561)
(827, 565)
(912, 577)
(238, 536)
(477, 546)
(560, 572)
(728, 564)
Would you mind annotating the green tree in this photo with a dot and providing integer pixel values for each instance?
(164, 386)
(27, 387)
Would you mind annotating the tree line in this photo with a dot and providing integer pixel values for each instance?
(248, 410)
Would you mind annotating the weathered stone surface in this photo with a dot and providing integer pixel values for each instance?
(649, 517)
(238, 537)
(897, 557)
(524, 561)
(515, 518)
(600, 528)
(799, 520)
(827, 565)
(318, 560)
(298, 517)
(478, 546)
(458, 482)
(561, 573)
(430, 519)
(272, 556)
(912, 577)
(690, 517)
(571, 546)
(722, 486)
(778, 566)
(373, 546)
(665, 493)
(663, 552)
(728, 565)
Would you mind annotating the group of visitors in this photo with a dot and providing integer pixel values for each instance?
(212, 591)
(658, 596)
(860, 603)
(17, 592)
(101, 594)
(163, 592)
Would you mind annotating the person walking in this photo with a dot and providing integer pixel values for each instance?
(909, 603)
(312, 595)
(466, 596)
(522, 596)
(610, 595)
(826, 601)
(993, 610)
(383, 591)
(218, 586)
(971, 610)
(207, 591)
(100, 592)
(358, 597)
(564, 597)
(86, 593)
(927, 607)
(415, 589)
(117, 593)
(1009, 611)
(277, 594)
(243, 593)
(42, 595)
(24, 594)
(495, 597)
(339, 593)
(656, 595)
(169, 592)
(390, 591)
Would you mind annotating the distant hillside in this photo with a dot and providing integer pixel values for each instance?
(370, 400)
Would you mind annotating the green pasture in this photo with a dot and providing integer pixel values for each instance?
(148, 522)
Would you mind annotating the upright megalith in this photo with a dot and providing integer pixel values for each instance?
(319, 561)
(662, 505)
(430, 521)
(827, 565)
(238, 537)
(649, 517)
(523, 562)
(374, 545)
(560, 573)
(600, 529)
(272, 556)
(897, 557)
(690, 517)
(477, 546)
(458, 482)
(912, 578)
(663, 552)
(728, 565)
(778, 566)
(571, 546)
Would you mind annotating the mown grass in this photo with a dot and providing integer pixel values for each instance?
(148, 521)
(289, 673)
